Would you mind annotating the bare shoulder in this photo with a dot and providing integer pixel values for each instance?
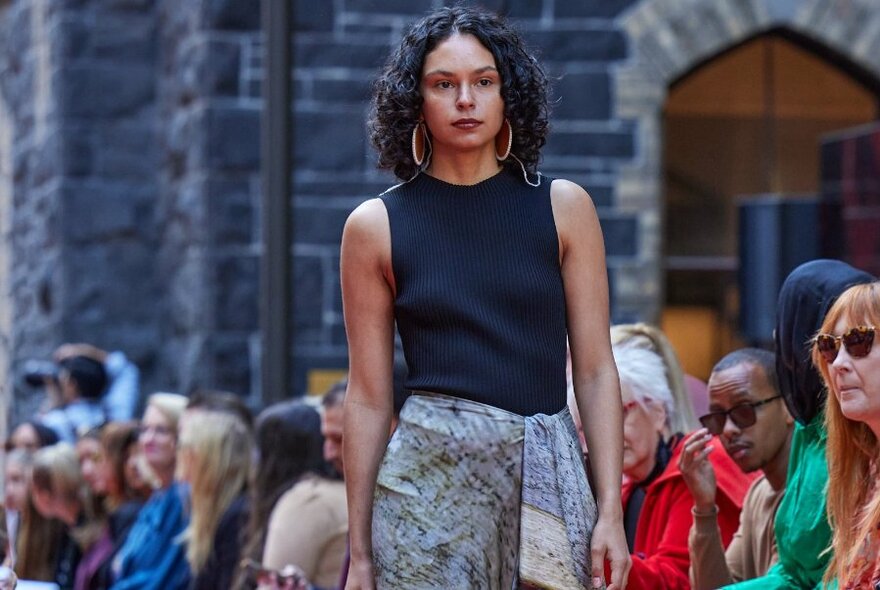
(572, 206)
(366, 243)
(367, 225)
(367, 218)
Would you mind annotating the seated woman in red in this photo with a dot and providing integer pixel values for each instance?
(656, 502)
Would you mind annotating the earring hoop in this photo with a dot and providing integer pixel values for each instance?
(504, 141)
(419, 141)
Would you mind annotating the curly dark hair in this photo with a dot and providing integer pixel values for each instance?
(397, 102)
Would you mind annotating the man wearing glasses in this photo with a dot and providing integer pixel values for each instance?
(746, 412)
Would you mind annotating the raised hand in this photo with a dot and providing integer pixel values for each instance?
(698, 473)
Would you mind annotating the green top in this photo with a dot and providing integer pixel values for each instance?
(802, 531)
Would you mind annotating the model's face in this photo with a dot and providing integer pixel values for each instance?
(93, 464)
(158, 440)
(856, 381)
(461, 89)
(751, 447)
(642, 428)
(15, 486)
(331, 428)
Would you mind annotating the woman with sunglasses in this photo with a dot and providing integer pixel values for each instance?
(748, 417)
(656, 500)
(802, 531)
(845, 355)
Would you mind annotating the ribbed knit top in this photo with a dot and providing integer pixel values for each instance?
(480, 305)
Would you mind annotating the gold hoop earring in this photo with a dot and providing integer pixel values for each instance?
(419, 139)
(504, 141)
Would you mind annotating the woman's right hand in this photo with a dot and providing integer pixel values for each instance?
(697, 471)
(360, 575)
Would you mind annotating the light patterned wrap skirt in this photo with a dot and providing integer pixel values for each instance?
(470, 496)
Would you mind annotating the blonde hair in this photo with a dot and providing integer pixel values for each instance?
(56, 470)
(682, 419)
(170, 405)
(38, 539)
(852, 447)
(219, 446)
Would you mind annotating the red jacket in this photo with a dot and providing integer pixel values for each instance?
(660, 557)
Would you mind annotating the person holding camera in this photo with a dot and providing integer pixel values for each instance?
(80, 384)
(86, 387)
(122, 393)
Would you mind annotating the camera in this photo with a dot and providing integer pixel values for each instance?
(36, 372)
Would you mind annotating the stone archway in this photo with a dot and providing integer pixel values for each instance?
(667, 39)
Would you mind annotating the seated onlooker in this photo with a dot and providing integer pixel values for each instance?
(653, 339)
(59, 491)
(802, 532)
(15, 495)
(304, 516)
(91, 458)
(747, 414)
(34, 539)
(104, 468)
(31, 436)
(122, 394)
(123, 490)
(81, 382)
(847, 353)
(26, 438)
(152, 556)
(214, 458)
(656, 501)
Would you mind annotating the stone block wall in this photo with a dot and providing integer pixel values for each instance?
(209, 110)
(131, 141)
(78, 84)
(32, 154)
(339, 48)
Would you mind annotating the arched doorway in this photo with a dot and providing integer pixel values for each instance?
(747, 122)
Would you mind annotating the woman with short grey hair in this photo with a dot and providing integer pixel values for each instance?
(657, 503)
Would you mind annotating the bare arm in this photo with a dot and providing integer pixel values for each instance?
(367, 299)
(594, 374)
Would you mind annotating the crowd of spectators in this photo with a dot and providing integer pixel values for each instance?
(196, 492)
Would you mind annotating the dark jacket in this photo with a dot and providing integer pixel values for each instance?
(220, 569)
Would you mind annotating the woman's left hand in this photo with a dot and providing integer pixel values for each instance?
(609, 544)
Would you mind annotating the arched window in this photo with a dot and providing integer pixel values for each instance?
(747, 122)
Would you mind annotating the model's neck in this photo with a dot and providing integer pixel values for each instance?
(464, 167)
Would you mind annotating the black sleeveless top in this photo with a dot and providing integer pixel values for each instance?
(480, 305)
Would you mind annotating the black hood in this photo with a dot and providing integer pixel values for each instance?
(806, 296)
